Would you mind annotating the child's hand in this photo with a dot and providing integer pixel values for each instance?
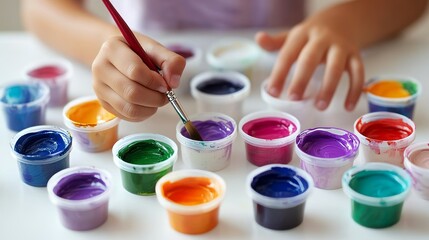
(125, 86)
(310, 45)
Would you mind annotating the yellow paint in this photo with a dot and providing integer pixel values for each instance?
(388, 89)
(89, 113)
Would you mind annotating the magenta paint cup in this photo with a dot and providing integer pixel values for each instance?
(384, 136)
(218, 132)
(193, 56)
(222, 92)
(279, 193)
(24, 104)
(233, 54)
(326, 153)
(81, 195)
(404, 105)
(93, 128)
(55, 73)
(416, 161)
(269, 136)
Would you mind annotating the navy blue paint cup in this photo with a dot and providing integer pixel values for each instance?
(279, 193)
(41, 151)
(24, 104)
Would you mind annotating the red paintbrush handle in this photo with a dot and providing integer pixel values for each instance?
(129, 36)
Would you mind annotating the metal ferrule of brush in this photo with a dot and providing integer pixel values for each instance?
(176, 104)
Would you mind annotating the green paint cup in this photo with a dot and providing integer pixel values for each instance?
(377, 192)
(140, 177)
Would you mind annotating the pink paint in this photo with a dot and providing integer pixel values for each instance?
(47, 72)
(270, 139)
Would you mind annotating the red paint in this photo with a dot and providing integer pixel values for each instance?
(384, 129)
(47, 72)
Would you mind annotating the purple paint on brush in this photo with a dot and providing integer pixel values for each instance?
(211, 130)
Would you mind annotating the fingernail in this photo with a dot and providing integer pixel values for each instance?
(273, 91)
(162, 89)
(293, 97)
(350, 107)
(321, 104)
(175, 80)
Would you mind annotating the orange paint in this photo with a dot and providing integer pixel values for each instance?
(192, 191)
(89, 113)
(389, 89)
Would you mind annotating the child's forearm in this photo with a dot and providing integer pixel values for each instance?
(67, 27)
(369, 21)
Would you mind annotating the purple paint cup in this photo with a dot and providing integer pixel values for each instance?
(56, 73)
(222, 92)
(416, 161)
(326, 153)
(269, 137)
(214, 152)
(81, 195)
(279, 193)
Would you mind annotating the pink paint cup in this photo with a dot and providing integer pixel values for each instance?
(383, 149)
(416, 161)
(269, 136)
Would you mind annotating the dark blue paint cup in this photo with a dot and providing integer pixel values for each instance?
(41, 152)
(24, 104)
(279, 193)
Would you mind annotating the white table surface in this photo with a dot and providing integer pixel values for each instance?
(27, 213)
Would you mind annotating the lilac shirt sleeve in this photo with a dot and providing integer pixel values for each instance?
(144, 15)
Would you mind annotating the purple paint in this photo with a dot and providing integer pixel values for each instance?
(269, 139)
(181, 50)
(82, 196)
(326, 153)
(211, 130)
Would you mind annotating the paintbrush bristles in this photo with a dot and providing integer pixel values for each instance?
(193, 133)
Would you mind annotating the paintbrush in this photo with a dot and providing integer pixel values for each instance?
(137, 48)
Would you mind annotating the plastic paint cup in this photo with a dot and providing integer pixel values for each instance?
(143, 159)
(218, 132)
(384, 136)
(93, 127)
(234, 54)
(269, 136)
(222, 92)
(192, 199)
(55, 73)
(41, 151)
(24, 104)
(393, 94)
(193, 56)
(416, 161)
(279, 193)
(377, 192)
(81, 195)
(326, 153)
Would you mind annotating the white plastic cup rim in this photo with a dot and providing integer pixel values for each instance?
(191, 209)
(269, 142)
(82, 204)
(146, 168)
(286, 202)
(232, 76)
(97, 128)
(65, 64)
(207, 145)
(54, 158)
(410, 165)
(329, 162)
(400, 143)
(393, 102)
(245, 60)
(42, 100)
(376, 201)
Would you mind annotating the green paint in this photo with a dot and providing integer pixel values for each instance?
(411, 87)
(144, 152)
(378, 184)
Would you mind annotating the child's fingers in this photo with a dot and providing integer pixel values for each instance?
(356, 72)
(270, 42)
(335, 64)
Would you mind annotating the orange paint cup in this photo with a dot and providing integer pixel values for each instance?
(192, 199)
